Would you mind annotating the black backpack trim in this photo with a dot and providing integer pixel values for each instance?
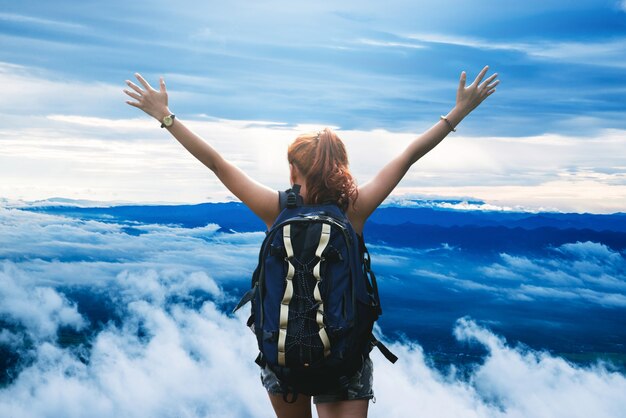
(290, 198)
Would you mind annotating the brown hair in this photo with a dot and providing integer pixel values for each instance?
(322, 158)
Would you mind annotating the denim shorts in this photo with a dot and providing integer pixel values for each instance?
(360, 386)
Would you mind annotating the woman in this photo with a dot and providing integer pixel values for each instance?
(318, 162)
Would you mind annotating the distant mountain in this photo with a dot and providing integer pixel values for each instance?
(443, 217)
(420, 227)
(231, 215)
(475, 238)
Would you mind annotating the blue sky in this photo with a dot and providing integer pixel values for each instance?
(378, 71)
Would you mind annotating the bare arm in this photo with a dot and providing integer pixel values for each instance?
(262, 200)
(374, 192)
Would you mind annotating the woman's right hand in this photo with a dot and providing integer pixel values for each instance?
(151, 101)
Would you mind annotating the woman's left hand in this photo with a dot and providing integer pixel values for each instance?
(467, 99)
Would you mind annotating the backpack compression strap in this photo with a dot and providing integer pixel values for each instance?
(284, 304)
(319, 317)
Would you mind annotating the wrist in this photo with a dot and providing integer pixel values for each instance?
(161, 113)
(456, 115)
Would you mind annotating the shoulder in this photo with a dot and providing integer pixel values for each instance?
(356, 218)
(277, 207)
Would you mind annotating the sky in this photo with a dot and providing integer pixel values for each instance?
(250, 76)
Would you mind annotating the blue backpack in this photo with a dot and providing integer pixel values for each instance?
(314, 298)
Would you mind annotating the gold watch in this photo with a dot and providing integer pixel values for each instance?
(168, 121)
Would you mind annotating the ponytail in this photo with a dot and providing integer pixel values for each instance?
(324, 162)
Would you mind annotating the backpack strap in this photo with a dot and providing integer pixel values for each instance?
(374, 288)
(371, 283)
(247, 297)
(383, 349)
(290, 198)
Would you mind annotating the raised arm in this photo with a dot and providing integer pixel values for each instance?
(374, 192)
(262, 200)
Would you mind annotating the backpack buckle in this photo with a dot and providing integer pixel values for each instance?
(367, 261)
(291, 200)
(292, 196)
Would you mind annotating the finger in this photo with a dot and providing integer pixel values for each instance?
(133, 104)
(488, 80)
(492, 85)
(481, 75)
(143, 81)
(462, 80)
(134, 86)
(162, 83)
(133, 95)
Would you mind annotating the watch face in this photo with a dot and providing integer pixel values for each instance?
(167, 121)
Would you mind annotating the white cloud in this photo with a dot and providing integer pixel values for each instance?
(590, 273)
(33, 91)
(166, 359)
(169, 260)
(373, 42)
(10, 339)
(425, 202)
(608, 53)
(199, 363)
(571, 195)
(527, 383)
(178, 259)
(591, 251)
(586, 271)
(195, 364)
(38, 21)
(459, 283)
(117, 159)
(40, 309)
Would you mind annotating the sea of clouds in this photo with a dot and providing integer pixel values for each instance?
(170, 348)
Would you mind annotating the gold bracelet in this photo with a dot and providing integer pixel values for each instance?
(448, 122)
